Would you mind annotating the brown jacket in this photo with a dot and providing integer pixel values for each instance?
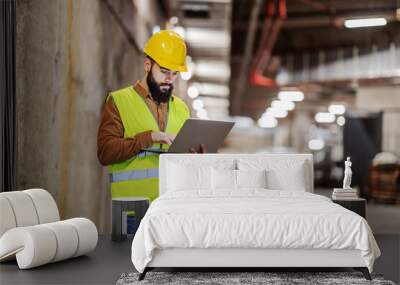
(112, 147)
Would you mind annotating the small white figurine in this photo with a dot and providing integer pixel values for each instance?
(347, 174)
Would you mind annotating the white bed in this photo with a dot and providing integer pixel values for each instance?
(241, 210)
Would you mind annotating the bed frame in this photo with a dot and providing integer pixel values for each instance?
(242, 258)
(256, 258)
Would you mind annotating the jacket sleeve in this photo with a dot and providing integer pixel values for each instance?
(112, 147)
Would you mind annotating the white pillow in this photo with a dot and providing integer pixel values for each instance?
(282, 174)
(251, 178)
(188, 177)
(223, 179)
(228, 179)
(287, 176)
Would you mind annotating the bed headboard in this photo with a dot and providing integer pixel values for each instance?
(212, 159)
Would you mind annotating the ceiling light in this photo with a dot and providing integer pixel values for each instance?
(366, 22)
(180, 31)
(337, 109)
(208, 38)
(243, 122)
(288, 95)
(316, 144)
(193, 92)
(267, 114)
(340, 121)
(324, 117)
(265, 122)
(195, 7)
(277, 112)
(287, 105)
(213, 69)
(197, 104)
(213, 89)
(186, 75)
(174, 20)
(215, 102)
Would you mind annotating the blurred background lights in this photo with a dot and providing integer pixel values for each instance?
(218, 70)
(267, 122)
(174, 20)
(286, 105)
(316, 144)
(202, 114)
(197, 104)
(243, 122)
(193, 92)
(288, 95)
(186, 75)
(337, 109)
(213, 89)
(324, 117)
(180, 31)
(365, 22)
(277, 112)
(341, 121)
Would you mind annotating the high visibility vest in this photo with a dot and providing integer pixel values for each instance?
(138, 176)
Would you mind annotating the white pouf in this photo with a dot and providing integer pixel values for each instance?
(31, 232)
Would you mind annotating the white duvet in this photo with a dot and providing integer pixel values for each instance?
(253, 218)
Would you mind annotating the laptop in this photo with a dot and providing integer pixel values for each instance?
(195, 132)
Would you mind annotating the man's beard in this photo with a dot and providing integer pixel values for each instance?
(158, 94)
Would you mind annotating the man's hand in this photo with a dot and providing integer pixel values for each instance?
(161, 137)
(202, 149)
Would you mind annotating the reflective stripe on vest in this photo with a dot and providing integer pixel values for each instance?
(134, 174)
(146, 153)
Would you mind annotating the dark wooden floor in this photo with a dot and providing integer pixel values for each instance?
(110, 260)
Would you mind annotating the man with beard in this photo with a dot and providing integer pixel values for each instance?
(146, 115)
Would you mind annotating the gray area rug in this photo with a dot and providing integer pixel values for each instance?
(228, 278)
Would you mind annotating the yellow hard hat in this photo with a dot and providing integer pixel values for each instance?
(168, 49)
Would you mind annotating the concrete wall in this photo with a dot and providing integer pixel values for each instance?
(70, 53)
